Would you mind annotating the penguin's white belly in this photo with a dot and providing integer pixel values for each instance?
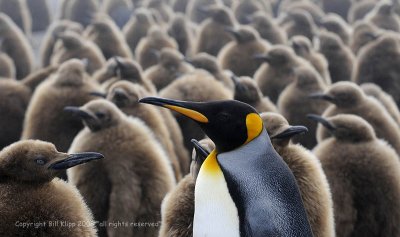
(215, 213)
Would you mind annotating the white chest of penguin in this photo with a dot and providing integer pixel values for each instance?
(215, 214)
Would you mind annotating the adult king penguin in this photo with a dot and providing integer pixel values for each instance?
(243, 188)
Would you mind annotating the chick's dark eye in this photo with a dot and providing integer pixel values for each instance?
(40, 161)
(223, 117)
(100, 115)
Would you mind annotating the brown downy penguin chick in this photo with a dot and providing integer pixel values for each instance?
(244, 9)
(50, 38)
(386, 100)
(212, 36)
(238, 55)
(210, 64)
(125, 95)
(295, 103)
(18, 11)
(359, 9)
(198, 85)
(268, 28)
(337, 25)
(196, 15)
(298, 22)
(360, 168)
(348, 98)
(31, 193)
(14, 100)
(179, 29)
(340, 7)
(81, 11)
(120, 69)
(40, 13)
(384, 16)
(339, 56)
(106, 35)
(34, 79)
(247, 91)
(170, 66)
(119, 10)
(277, 70)
(131, 184)
(378, 63)
(302, 46)
(161, 7)
(75, 46)
(312, 8)
(138, 27)
(307, 170)
(45, 119)
(16, 45)
(180, 5)
(149, 47)
(7, 66)
(177, 209)
(363, 33)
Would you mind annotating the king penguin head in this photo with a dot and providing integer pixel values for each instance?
(228, 123)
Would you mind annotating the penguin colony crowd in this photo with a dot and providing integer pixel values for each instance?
(217, 118)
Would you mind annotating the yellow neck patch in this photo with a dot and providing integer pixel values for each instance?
(188, 112)
(211, 165)
(254, 126)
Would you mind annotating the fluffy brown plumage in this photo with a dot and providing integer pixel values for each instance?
(348, 98)
(50, 38)
(125, 95)
(45, 119)
(310, 177)
(295, 103)
(238, 55)
(361, 168)
(40, 13)
(212, 36)
(18, 11)
(130, 185)
(137, 27)
(31, 193)
(339, 56)
(277, 71)
(108, 37)
(7, 66)
(16, 45)
(386, 100)
(378, 63)
(303, 48)
(75, 46)
(170, 66)
(247, 91)
(14, 100)
(148, 48)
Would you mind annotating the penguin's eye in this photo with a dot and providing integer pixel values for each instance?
(223, 117)
(40, 161)
(100, 115)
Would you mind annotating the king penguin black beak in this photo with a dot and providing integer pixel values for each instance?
(201, 153)
(189, 109)
(78, 112)
(322, 96)
(75, 159)
(322, 120)
(290, 132)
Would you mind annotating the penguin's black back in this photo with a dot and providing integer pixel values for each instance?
(264, 191)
